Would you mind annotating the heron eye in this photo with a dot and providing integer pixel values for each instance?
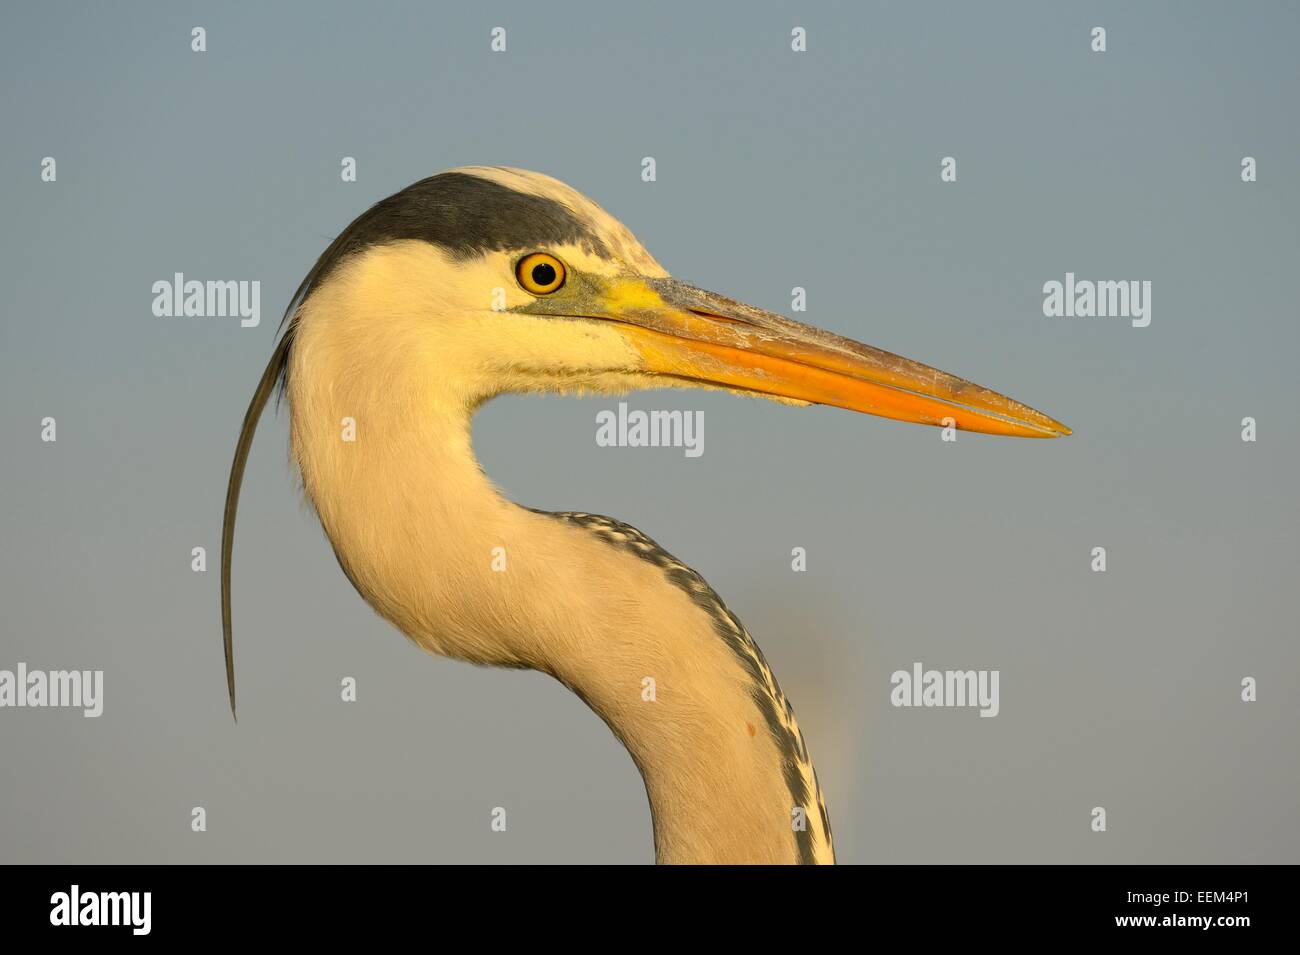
(540, 273)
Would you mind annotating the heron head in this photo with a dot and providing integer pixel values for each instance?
(505, 280)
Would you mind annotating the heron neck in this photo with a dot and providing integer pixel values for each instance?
(432, 545)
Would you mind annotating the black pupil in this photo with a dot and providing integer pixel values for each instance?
(543, 273)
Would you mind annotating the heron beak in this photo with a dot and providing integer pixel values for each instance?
(689, 334)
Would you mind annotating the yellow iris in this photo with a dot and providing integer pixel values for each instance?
(540, 273)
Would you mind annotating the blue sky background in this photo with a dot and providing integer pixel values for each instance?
(775, 169)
